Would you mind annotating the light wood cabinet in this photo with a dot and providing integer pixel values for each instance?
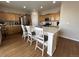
(9, 16)
(10, 19)
(0, 36)
(12, 29)
(51, 16)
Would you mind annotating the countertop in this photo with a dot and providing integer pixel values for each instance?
(51, 29)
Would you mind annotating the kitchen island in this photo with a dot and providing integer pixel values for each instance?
(52, 33)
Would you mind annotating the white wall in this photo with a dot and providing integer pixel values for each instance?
(34, 18)
(69, 20)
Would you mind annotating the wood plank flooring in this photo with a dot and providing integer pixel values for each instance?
(15, 46)
(67, 48)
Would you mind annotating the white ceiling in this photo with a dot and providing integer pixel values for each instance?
(30, 5)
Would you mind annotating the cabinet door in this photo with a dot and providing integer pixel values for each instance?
(0, 37)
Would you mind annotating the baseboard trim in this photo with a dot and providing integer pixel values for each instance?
(68, 38)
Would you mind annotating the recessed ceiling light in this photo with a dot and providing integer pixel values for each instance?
(24, 6)
(54, 2)
(41, 6)
(8, 1)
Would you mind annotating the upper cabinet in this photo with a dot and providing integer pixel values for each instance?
(9, 16)
(51, 16)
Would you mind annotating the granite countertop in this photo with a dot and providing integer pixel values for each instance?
(51, 29)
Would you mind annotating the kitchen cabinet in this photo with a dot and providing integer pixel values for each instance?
(0, 36)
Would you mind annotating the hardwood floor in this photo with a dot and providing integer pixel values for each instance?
(14, 46)
(67, 48)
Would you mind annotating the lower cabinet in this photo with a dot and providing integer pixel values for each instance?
(0, 37)
(13, 29)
